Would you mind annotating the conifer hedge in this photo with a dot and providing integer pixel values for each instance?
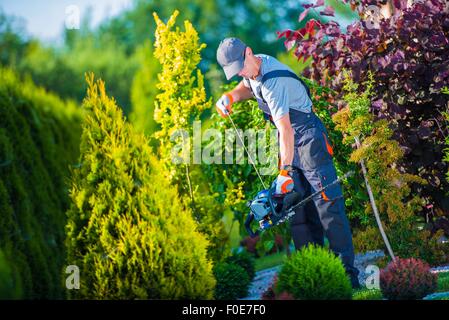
(128, 231)
(39, 139)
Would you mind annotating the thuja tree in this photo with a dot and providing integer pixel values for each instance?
(127, 230)
(181, 100)
(407, 52)
(391, 187)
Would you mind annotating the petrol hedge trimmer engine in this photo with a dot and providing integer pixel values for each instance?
(269, 209)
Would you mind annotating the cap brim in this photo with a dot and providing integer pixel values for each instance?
(233, 69)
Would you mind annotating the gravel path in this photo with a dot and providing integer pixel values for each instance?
(264, 278)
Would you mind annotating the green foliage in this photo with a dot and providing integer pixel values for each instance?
(143, 91)
(232, 281)
(314, 273)
(391, 187)
(39, 138)
(180, 101)
(62, 71)
(12, 40)
(245, 260)
(126, 240)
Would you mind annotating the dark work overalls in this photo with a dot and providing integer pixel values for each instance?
(314, 169)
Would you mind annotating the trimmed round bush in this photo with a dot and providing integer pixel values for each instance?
(245, 260)
(232, 281)
(407, 279)
(314, 273)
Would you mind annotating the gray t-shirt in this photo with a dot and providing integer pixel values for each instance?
(279, 93)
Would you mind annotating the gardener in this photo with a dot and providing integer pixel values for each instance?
(305, 153)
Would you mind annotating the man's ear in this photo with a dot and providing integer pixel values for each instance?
(249, 52)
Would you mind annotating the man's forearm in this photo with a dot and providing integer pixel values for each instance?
(240, 93)
(286, 139)
(286, 146)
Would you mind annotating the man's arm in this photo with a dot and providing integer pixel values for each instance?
(286, 139)
(241, 92)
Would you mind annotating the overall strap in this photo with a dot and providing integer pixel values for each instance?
(284, 73)
(277, 74)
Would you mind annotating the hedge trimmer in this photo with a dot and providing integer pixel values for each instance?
(271, 210)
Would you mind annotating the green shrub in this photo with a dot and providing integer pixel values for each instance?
(314, 273)
(245, 260)
(407, 279)
(232, 281)
(128, 232)
(39, 139)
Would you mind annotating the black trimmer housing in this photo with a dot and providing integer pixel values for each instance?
(268, 208)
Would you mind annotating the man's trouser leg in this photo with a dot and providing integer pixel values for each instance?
(305, 225)
(331, 212)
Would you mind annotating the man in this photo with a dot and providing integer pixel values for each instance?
(306, 163)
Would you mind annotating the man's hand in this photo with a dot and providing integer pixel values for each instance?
(284, 183)
(223, 105)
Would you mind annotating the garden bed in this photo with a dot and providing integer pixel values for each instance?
(273, 263)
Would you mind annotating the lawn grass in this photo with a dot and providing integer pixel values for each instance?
(367, 294)
(443, 282)
(270, 261)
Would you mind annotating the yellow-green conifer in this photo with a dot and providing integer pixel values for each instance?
(128, 232)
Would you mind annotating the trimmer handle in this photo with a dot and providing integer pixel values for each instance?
(248, 221)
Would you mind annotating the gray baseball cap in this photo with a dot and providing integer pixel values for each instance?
(231, 56)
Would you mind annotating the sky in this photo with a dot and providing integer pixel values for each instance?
(45, 19)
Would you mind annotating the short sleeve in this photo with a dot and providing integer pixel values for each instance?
(275, 93)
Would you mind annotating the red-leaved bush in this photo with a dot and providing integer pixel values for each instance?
(407, 279)
(408, 54)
